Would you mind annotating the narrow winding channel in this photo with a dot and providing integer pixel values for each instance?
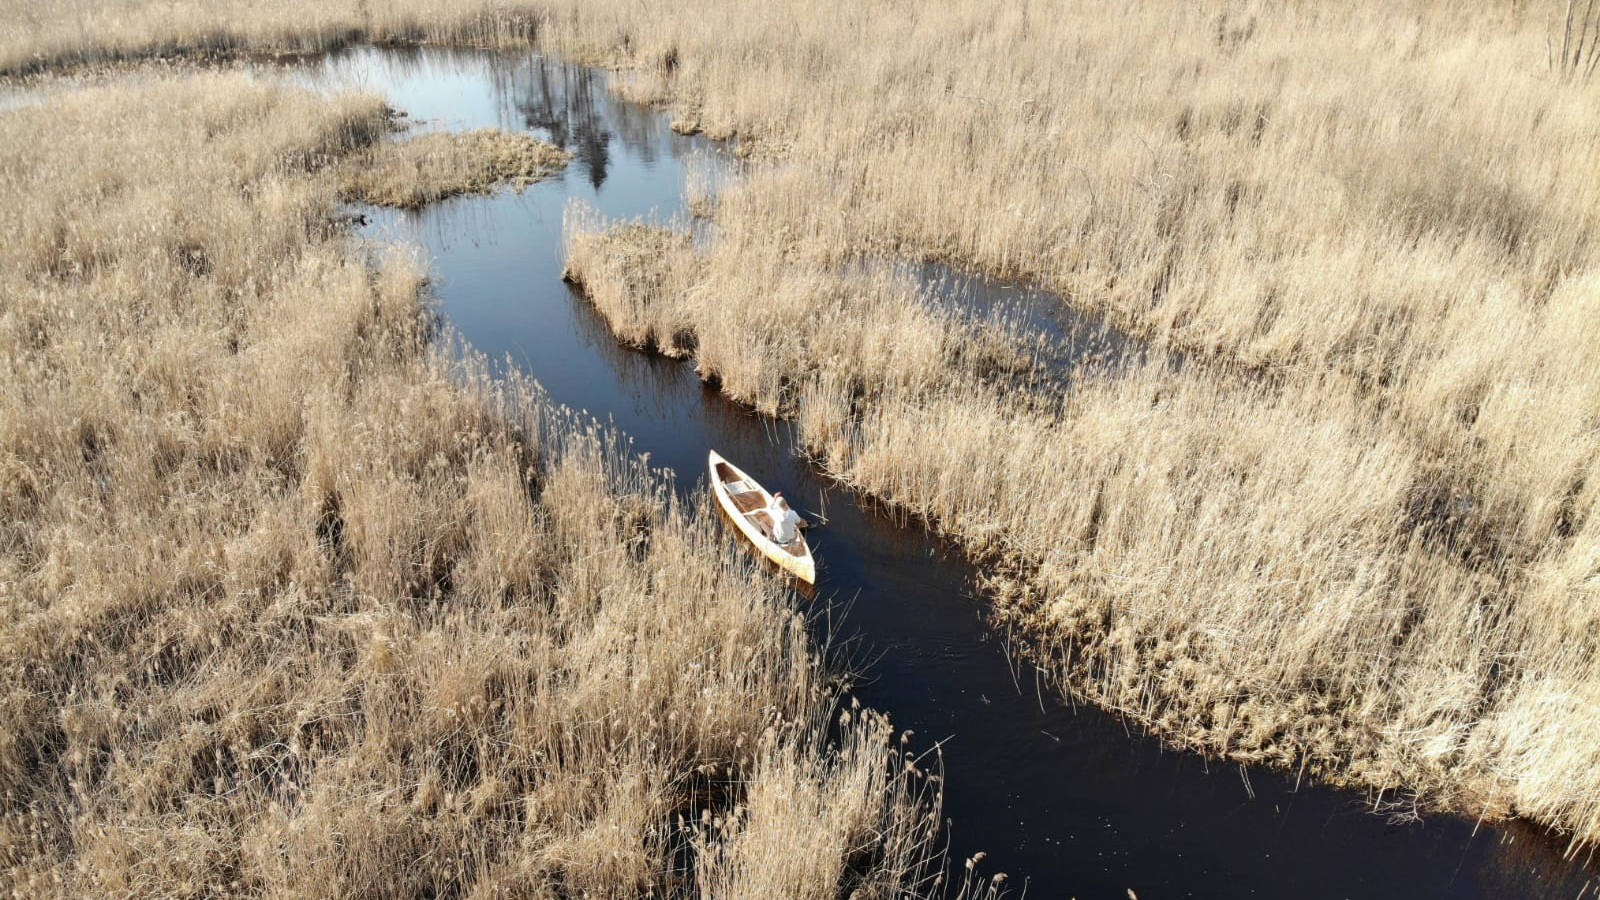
(1065, 800)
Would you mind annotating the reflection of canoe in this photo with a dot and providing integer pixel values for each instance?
(745, 501)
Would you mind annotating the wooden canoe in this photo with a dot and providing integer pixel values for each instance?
(745, 502)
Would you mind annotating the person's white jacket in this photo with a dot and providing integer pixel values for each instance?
(785, 522)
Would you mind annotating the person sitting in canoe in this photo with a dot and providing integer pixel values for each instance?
(785, 521)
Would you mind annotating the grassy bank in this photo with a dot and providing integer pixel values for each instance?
(1360, 538)
(431, 167)
(292, 605)
(1244, 567)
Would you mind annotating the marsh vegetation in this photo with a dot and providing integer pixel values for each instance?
(1356, 538)
(296, 603)
(431, 167)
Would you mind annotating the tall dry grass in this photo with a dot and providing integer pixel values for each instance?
(292, 605)
(37, 37)
(430, 167)
(1361, 535)
(1385, 213)
(1252, 569)
(1398, 193)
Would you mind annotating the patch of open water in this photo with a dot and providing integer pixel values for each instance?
(1063, 799)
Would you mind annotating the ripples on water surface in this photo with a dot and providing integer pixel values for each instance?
(1063, 799)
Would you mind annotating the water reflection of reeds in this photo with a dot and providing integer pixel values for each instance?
(661, 385)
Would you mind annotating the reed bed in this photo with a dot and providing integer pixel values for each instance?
(1253, 569)
(1400, 195)
(294, 603)
(37, 38)
(1360, 536)
(1357, 534)
(430, 167)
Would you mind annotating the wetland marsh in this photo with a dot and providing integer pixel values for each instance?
(1157, 361)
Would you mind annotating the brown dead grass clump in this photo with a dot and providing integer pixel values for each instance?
(37, 37)
(291, 605)
(769, 329)
(430, 167)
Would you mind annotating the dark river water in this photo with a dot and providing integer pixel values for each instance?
(1065, 800)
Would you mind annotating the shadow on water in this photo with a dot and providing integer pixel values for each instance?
(1064, 799)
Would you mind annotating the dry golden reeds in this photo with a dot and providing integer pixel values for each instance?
(1260, 569)
(430, 167)
(1362, 532)
(292, 604)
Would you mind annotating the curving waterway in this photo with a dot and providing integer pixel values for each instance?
(1064, 800)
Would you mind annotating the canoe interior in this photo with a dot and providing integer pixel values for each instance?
(752, 502)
